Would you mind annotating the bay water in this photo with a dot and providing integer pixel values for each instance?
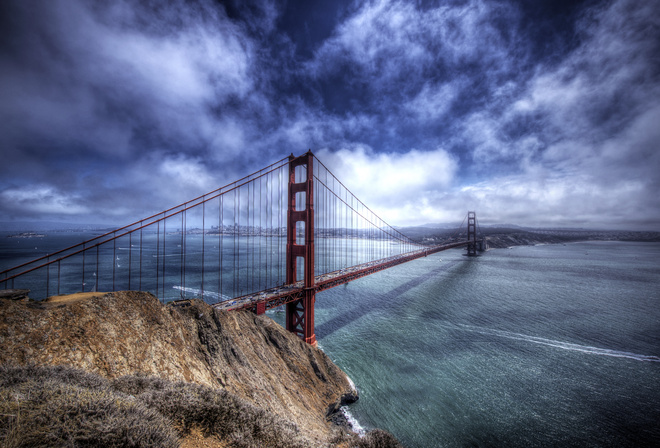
(555, 345)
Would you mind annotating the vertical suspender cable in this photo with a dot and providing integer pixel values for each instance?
(130, 257)
(245, 279)
(182, 292)
(96, 279)
(203, 241)
(164, 253)
(253, 230)
(279, 227)
(221, 231)
(260, 234)
(48, 274)
(157, 260)
(182, 260)
(114, 262)
(269, 233)
(236, 242)
(250, 245)
(140, 262)
(83, 270)
(140, 265)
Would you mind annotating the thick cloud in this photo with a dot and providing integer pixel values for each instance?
(529, 115)
(90, 92)
(400, 183)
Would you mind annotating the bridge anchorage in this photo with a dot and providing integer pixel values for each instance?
(273, 238)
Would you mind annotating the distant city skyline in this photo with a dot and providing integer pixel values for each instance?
(540, 114)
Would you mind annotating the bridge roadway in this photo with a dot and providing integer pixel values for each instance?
(274, 297)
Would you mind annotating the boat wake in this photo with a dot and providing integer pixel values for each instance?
(558, 344)
(206, 294)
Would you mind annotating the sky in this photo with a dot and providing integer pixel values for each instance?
(538, 113)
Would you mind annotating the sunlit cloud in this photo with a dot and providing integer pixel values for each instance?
(394, 185)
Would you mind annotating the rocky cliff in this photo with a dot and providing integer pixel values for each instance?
(128, 333)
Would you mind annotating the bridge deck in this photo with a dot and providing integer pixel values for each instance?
(274, 297)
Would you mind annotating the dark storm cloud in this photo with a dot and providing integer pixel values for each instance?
(517, 109)
(92, 90)
(566, 139)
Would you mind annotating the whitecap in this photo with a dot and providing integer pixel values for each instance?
(352, 422)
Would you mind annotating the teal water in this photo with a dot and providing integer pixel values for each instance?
(531, 346)
(524, 347)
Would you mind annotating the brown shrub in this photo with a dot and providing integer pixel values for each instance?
(62, 407)
(43, 406)
(214, 411)
(378, 438)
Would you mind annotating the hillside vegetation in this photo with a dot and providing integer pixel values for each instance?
(140, 373)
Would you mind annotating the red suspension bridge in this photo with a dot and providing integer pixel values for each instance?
(273, 238)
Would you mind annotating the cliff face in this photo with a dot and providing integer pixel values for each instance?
(127, 332)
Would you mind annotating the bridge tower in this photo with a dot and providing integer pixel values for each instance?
(472, 234)
(300, 313)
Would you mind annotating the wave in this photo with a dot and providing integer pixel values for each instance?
(352, 422)
(177, 254)
(559, 344)
(198, 292)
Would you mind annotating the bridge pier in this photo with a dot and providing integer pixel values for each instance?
(300, 317)
(300, 313)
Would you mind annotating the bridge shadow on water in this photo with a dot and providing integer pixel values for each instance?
(367, 306)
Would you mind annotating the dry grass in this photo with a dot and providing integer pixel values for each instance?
(68, 298)
(213, 411)
(42, 406)
(66, 407)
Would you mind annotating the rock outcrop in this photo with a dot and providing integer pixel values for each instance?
(127, 333)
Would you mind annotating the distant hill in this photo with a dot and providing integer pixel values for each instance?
(506, 236)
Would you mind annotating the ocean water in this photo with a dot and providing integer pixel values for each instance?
(554, 345)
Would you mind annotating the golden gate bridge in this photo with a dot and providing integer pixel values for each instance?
(273, 238)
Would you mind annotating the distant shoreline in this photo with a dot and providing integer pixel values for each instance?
(501, 238)
(27, 235)
(529, 238)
